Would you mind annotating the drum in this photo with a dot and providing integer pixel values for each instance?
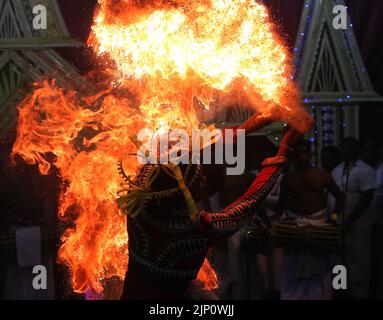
(289, 235)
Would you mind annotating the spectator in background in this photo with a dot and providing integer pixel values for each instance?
(229, 258)
(269, 259)
(371, 155)
(307, 275)
(357, 181)
(330, 158)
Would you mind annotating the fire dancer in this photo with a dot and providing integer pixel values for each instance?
(158, 59)
(166, 246)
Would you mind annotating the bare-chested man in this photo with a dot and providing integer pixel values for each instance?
(303, 196)
(303, 188)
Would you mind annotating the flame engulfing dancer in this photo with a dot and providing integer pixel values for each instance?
(161, 58)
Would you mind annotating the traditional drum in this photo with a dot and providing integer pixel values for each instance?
(289, 234)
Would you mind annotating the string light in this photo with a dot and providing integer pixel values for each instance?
(351, 45)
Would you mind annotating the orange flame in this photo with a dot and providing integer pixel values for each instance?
(208, 276)
(199, 48)
(162, 56)
(86, 146)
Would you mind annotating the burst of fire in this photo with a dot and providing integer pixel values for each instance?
(163, 56)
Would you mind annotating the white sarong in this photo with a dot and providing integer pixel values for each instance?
(306, 276)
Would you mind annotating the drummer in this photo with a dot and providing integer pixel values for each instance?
(306, 276)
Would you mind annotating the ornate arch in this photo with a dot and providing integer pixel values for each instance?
(331, 74)
(28, 55)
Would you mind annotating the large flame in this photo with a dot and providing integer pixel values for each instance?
(218, 41)
(162, 57)
(86, 146)
(202, 48)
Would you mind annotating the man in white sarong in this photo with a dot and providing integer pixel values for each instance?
(307, 275)
(357, 181)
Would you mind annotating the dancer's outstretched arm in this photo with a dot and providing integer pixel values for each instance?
(232, 218)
